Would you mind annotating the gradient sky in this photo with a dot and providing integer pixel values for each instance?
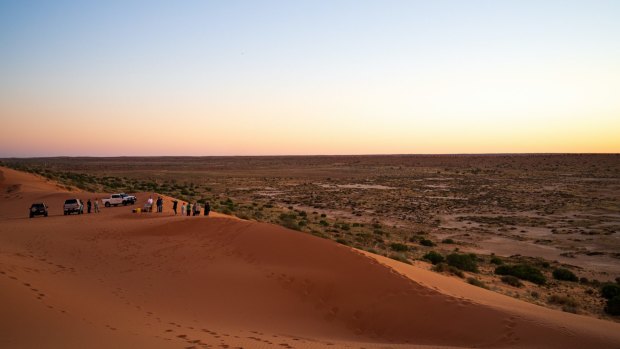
(308, 77)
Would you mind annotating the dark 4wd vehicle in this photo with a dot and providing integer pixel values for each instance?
(38, 209)
(73, 205)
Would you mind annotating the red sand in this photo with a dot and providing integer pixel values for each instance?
(123, 280)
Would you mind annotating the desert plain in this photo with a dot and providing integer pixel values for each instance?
(313, 252)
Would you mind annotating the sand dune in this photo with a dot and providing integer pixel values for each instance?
(123, 280)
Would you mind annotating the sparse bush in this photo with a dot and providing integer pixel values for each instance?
(523, 272)
(447, 241)
(434, 257)
(610, 290)
(511, 280)
(288, 221)
(399, 257)
(443, 267)
(476, 282)
(427, 242)
(466, 262)
(399, 247)
(561, 300)
(565, 275)
(342, 241)
(613, 306)
(496, 261)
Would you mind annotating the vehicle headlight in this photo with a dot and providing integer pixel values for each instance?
(33, 209)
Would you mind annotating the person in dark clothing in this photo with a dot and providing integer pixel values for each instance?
(89, 205)
(174, 206)
(189, 209)
(160, 204)
(207, 208)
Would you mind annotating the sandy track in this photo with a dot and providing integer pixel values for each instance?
(122, 280)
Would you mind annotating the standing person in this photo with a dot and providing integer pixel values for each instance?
(183, 209)
(160, 204)
(149, 204)
(207, 208)
(189, 209)
(196, 208)
(174, 206)
(88, 205)
(97, 205)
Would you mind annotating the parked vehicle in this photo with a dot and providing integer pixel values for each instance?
(38, 209)
(73, 206)
(130, 199)
(119, 199)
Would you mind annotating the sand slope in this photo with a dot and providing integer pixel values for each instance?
(121, 280)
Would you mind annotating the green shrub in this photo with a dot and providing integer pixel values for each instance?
(565, 275)
(613, 306)
(476, 282)
(434, 257)
(496, 261)
(443, 267)
(342, 241)
(610, 290)
(399, 247)
(427, 242)
(561, 300)
(466, 262)
(447, 241)
(523, 272)
(511, 280)
(399, 257)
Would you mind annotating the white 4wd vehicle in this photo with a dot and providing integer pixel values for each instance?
(119, 199)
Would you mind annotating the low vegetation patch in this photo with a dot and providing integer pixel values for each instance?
(496, 261)
(399, 257)
(445, 268)
(511, 280)
(523, 272)
(399, 247)
(568, 304)
(565, 275)
(427, 242)
(476, 282)
(466, 262)
(434, 257)
(613, 306)
(609, 290)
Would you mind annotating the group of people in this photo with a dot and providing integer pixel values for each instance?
(90, 205)
(191, 210)
(186, 209)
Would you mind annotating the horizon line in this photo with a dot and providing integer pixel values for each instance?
(295, 155)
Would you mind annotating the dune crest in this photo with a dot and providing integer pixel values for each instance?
(124, 280)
